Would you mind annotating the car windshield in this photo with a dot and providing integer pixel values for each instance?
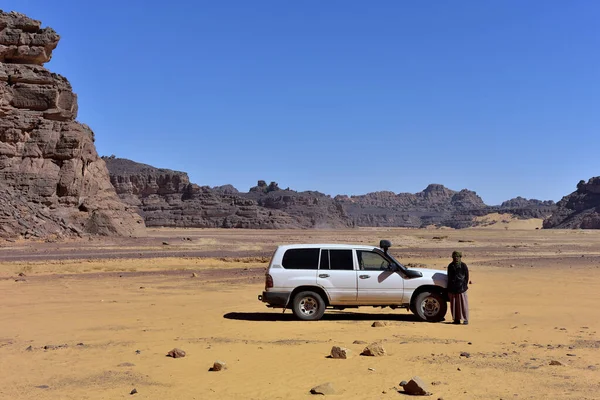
(391, 257)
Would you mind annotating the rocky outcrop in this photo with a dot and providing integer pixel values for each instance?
(167, 198)
(525, 208)
(580, 209)
(436, 205)
(310, 208)
(51, 178)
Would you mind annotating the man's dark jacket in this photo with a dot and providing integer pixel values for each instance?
(458, 278)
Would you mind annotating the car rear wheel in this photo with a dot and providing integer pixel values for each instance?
(430, 306)
(308, 306)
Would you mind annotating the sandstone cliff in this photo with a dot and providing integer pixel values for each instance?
(167, 198)
(526, 208)
(580, 209)
(52, 181)
(436, 205)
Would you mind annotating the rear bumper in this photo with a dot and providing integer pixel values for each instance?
(274, 299)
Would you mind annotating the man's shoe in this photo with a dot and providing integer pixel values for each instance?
(456, 322)
(466, 323)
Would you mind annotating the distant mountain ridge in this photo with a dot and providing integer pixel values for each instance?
(167, 198)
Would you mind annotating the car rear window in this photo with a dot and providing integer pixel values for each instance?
(301, 259)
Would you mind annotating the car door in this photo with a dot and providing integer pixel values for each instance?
(337, 275)
(378, 281)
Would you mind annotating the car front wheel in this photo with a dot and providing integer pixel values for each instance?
(308, 306)
(430, 306)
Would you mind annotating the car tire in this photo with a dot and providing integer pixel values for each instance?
(430, 306)
(308, 306)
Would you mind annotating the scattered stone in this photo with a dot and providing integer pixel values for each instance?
(571, 355)
(126, 364)
(465, 354)
(469, 343)
(194, 275)
(175, 353)
(374, 350)
(22, 274)
(371, 369)
(54, 346)
(592, 367)
(339, 352)
(359, 342)
(165, 243)
(43, 387)
(324, 389)
(30, 348)
(138, 351)
(218, 366)
(378, 324)
(20, 280)
(436, 383)
(416, 387)
(134, 391)
(554, 362)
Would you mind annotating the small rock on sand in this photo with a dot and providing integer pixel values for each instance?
(324, 389)
(176, 353)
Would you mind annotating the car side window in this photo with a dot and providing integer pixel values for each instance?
(341, 260)
(301, 259)
(370, 261)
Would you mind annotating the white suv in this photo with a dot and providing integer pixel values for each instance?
(311, 277)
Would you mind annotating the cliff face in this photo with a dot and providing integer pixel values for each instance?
(580, 209)
(436, 205)
(51, 178)
(525, 208)
(310, 208)
(167, 198)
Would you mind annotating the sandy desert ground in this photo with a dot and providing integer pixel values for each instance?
(94, 319)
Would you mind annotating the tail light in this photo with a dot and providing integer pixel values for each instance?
(268, 281)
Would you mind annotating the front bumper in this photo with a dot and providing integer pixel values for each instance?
(274, 299)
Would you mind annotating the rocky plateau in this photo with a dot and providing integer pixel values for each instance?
(167, 198)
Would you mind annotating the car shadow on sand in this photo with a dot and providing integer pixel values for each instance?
(329, 316)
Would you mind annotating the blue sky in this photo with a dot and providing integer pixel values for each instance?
(343, 97)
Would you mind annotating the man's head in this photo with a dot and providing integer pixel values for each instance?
(456, 256)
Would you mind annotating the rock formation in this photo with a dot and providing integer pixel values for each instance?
(436, 205)
(580, 209)
(52, 181)
(167, 198)
(525, 208)
(309, 208)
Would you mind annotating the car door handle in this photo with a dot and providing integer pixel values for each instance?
(323, 275)
(364, 276)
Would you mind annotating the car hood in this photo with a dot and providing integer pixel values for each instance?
(439, 277)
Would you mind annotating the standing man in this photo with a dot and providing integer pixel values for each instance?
(458, 279)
